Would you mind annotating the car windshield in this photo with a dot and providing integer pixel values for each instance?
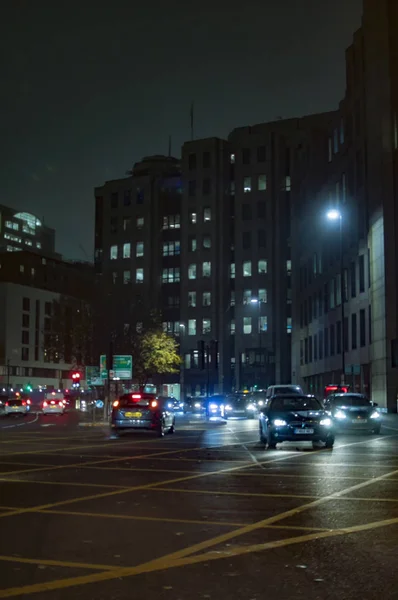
(292, 403)
(350, 400)
(14, 402)
(289, 389)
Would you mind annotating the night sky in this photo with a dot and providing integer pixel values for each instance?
(88, 88)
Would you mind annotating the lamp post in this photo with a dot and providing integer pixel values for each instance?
(182, 369)
(335, 215)
(256, 302)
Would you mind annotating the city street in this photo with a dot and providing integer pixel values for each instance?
(206, 513)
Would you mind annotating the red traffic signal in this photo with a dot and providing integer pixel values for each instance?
(76, 376)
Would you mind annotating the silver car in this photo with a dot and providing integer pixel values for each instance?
(16, 406)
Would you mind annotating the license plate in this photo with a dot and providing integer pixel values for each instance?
(133, 415)
(359, 421)
(303, 431)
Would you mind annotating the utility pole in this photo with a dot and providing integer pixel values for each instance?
(8, 375)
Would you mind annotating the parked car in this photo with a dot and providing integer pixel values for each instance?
(354, 411)
(142, 411)
(294, 417)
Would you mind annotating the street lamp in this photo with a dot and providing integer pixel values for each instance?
(335, 215)
(256, 302)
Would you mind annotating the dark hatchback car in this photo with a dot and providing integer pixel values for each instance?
(240, 405)
(293, 418)
(142, 411)
(354, 411)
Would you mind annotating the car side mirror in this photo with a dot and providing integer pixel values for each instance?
(375, 404)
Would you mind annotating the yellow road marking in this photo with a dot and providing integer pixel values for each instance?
(163, 564)
(57, 563)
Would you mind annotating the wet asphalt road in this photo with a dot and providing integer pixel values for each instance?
(205, 513)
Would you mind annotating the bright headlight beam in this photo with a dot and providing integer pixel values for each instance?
(279, 422)
(375, 415)
(326, 422)
(340, 415)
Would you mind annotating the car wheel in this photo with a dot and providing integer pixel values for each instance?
(271, 441)
(161, 429)
(329, 443)
(376, 430)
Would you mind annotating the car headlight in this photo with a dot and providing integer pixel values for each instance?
(228, 407)
(260, 403)
(170, 405)
(197, 405)
(340, 415)
(213, 406)
(251, 407)
(375, 415)
(326, 422)
(279, 423)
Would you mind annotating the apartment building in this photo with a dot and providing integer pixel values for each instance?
(24, 231)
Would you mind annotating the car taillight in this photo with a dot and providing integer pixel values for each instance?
(115, 404)
(154, 403)
(23, 403)
(61, 403)
(136, 396)
(7, 404)
(44, 403)
(52, 402)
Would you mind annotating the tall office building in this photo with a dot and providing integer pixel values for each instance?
(351, 167)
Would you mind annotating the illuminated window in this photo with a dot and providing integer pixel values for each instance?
(206, 298)
(247, 184)
(126, 223)
(206, 269)
(28, 243)
(191, 326)
(192, 243)
(262, 324)
(140, 222)
(247, 296)
(247, 268)
(126, 277)
(12, 225)
(139, 275)
(139, 249)
(262, 266)
(192, 272)
(38, 245)
(289, 325)
(187, 361)
(232, 327)
(171, 275)
(247, 325)
(193, 217)
(289, 266)
(262, 296)
(207, 214)
(126, 250)
(288, 183)
(232, 270)
(206, 241)
(206, 326)
(171, 222)
(113, 252)
(262, 183)
(232, 159)
(232, 298)
(191, 298)
(171, 248)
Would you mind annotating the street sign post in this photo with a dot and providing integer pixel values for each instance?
(103, 369)
(123, 366)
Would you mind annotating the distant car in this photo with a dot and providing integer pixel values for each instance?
(16, 406)
(288, 388)
(53, 407)
(292, 418)
(240, 405)
(215, 406)
(142, 411)
(197, 404)
(173, 403)
(354, 411)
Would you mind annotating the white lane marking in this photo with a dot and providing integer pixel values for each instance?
(21, 424)
(48, 425)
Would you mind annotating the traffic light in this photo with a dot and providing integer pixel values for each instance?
(76, 379)
(214, 354)
(201, 354)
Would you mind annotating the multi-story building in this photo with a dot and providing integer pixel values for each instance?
(24, 231)
(137, 250)
(46, 319)
(345, 316)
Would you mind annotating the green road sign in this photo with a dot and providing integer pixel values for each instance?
(123, 366)
(103, 369)
(93, 376)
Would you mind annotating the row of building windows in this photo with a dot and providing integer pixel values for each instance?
(314, 268)
(125, 251)
(14, 238)
(193, 216)
(193, 242)
(329, 341)
(262, 268)
(127, 196)
(247, 155)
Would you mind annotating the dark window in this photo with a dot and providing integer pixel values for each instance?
(262, 239)
(301, 352)
(362, 328)
(261, 210)
(26, 304)
(25, 320)
(206, 187)
(261, 154)
(320, 345)
(140, 196)
(246, 240)
(192, 161)
(361, 273)
(206, 160)
(127, 198)
(325, 298)
(192, 243)
(192, 188)
(370, 324)
(301, 315)
(206, 241)
(338, 337)
(332, 340)
(320, 305)
(246, 212)
(353, 279)
(315, 306)
(246, 156)
(25, 337)
(346, 334)
(326, 342)
(305, 313)
(47, 324)
(306, 350)
(354, 334)
(114, 200)
(315, 347)
(24, 353)
(47, 309)
(310, 309)
(310, 349)
(113, 224)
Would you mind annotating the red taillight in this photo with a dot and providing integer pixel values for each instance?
(44, 403)
(52, 402)
(115, 404)
(136, 396)
(154, 403)
(23, 403)
(6, 403)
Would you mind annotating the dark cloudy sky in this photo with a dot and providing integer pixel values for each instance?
(89, 87)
